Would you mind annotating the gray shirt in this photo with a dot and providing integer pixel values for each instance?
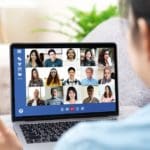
(54, 101)
(37, 82)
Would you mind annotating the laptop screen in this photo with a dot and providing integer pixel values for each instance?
(63, 79)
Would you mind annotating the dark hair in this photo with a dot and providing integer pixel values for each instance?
(90, 87)
(51, 50)
(38, 61)
(71, 68)
(110, 91)
(86, 51)
(70, 49)
(32, 77)
(139, 8)
(101, 59)
(52, 89)
(71, 88)
(41, 57)
(50, 78)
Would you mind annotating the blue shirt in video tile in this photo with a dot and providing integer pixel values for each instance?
(50, 63)
(91, 81)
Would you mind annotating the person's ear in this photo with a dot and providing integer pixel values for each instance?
(144, 34)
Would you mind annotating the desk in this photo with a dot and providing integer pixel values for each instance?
(125, 111)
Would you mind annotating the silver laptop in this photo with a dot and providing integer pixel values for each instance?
(55, 86)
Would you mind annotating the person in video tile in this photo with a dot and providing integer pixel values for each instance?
(34, 60)
(89, 80)
(35, 79)
(71, 55)
(36, 101)
(53, 61)
(104, 58)
(90, 98)
(54, 100)
(108, 95)
(71, 80)
(53, 78)
(107, 76)
(88, 58)
(71, 96)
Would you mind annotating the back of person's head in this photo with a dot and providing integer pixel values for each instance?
(139, 9)
(138, 15)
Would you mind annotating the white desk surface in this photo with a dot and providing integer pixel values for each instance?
(125, 111)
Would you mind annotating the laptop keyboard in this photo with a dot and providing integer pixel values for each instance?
(45, 132)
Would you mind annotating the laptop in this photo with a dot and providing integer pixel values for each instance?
(54, 86)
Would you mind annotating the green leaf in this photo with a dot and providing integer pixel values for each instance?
(85, 21)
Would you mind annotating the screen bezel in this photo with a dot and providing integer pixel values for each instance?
(62, 45)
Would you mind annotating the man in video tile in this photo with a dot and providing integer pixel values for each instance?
(53, 61)
(71, 80)
(89, 80)
(54, 100)
(36, 101)
(90, 98)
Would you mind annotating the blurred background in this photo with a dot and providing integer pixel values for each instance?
(46, 21)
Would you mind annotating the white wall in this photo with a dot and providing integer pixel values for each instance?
(19, 18)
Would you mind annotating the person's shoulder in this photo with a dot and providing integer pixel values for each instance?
(78, 81)
(60, 100)
(41, 100)
(58, 60)
(93, 62)
(85, 100)
(28, 64)
(30, 102)
(47, 101)
(47, 61)
(96, 99)
(85, 79)
(65, 82)
(30, 82)
(95, 80)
